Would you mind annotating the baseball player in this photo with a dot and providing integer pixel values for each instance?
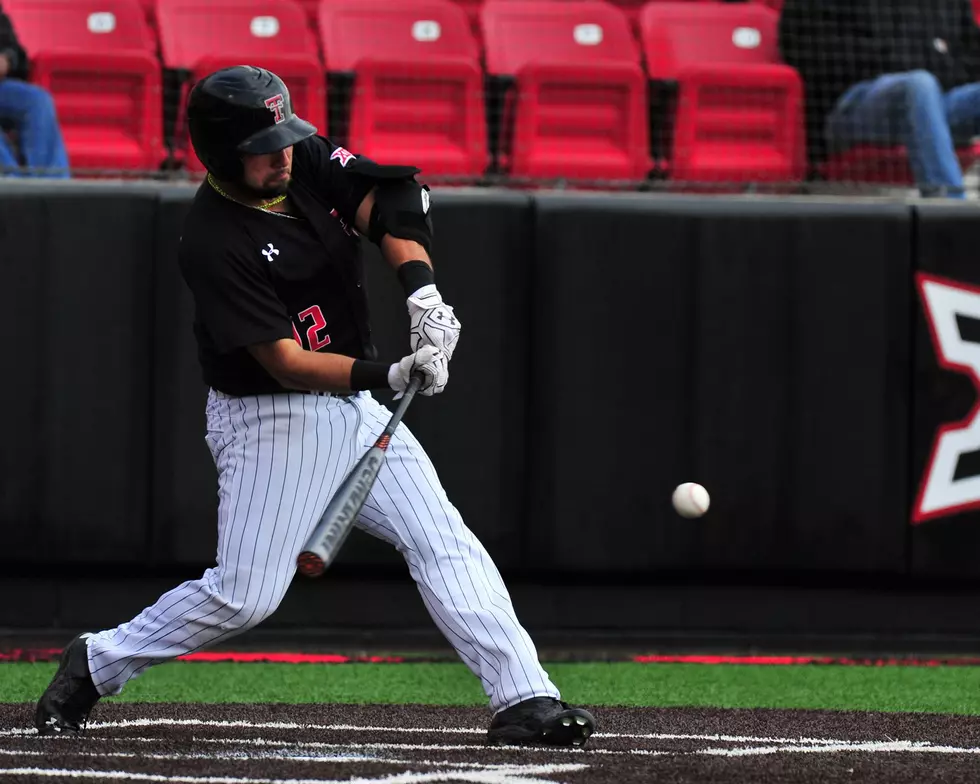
(271, 253)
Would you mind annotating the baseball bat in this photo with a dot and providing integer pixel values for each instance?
(339, 516)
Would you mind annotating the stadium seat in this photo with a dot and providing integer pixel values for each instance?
(197, 38)
(311, 8)
(879, 165)
(97, 59)
(728, 110)
(415, 87)
(149, 11)
(473, 8)
(632, 9)
(574, 104)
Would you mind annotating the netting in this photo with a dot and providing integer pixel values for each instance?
(685, 95)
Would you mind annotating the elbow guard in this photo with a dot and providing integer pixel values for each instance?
(401, 209)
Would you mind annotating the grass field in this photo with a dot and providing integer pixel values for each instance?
(952, 690)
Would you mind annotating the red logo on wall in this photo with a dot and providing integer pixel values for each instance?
(941, 493)
(275, 105)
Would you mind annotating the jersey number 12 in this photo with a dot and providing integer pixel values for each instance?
(316, 337)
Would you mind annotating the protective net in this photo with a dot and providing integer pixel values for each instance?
(684, 95)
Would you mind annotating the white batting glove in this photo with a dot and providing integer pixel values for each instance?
(430, 362)
(433, 322)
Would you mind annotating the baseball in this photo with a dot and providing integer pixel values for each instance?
(691, 500)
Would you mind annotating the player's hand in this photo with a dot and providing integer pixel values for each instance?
(430, 362)
(433, 322)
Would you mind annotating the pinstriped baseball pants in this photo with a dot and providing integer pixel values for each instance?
(279, 459)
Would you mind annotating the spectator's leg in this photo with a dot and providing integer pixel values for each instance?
(905, 108)
(32, 108)
(8, 162)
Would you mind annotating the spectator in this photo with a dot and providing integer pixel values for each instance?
(27, 110)
(889, 72)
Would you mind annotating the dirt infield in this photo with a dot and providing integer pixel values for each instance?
(381, 744)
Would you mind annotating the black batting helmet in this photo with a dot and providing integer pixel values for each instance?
(240, 110)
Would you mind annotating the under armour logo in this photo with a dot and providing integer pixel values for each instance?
(942, 492)
(272, 251)
(441, 316)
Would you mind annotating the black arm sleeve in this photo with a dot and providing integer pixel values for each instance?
(235, 299)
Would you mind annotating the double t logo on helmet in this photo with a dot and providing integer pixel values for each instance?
(275, 104)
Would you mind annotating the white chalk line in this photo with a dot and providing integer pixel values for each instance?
(920, 747)
(286, 744)
(514, 774)
(276, 725)
(841, 746)
(911, 746)
(771, 745)
(232, 756)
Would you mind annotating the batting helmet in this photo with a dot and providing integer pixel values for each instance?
(241, 110)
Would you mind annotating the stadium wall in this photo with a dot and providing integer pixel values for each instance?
(777, 351)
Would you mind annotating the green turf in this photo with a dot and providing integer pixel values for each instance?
(941, 690)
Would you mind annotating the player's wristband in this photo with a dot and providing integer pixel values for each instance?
(366, 375)
(413, 275)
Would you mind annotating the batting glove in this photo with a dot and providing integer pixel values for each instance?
(430, 362)
(433, 322)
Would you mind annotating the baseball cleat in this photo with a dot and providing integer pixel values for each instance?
(64, 707)
(541, 721)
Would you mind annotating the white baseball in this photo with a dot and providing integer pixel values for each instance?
(691, 500)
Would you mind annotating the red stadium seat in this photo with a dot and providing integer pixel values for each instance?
(632, 9)
(575, 105)
(311, 8)
(97, 59)
(733, 110)
(149, 11)
(867, 163)
(472, 9)
(417, 95)
(201, 37)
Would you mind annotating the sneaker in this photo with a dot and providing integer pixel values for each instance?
(541, 721)
(65, 705)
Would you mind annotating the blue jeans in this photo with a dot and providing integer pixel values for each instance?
(913, 110)
(30, 110)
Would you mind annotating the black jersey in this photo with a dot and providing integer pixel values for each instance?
(258, 276)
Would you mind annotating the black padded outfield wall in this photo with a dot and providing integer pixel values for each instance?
(945, 500)
(759, 349)
(76, 305)
(776, 351)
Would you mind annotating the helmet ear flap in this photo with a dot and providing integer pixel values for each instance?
(227, 169)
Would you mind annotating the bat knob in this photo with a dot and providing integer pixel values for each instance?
(310, 564)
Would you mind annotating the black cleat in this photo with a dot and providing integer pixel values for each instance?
(64, 707)
(541, 721)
